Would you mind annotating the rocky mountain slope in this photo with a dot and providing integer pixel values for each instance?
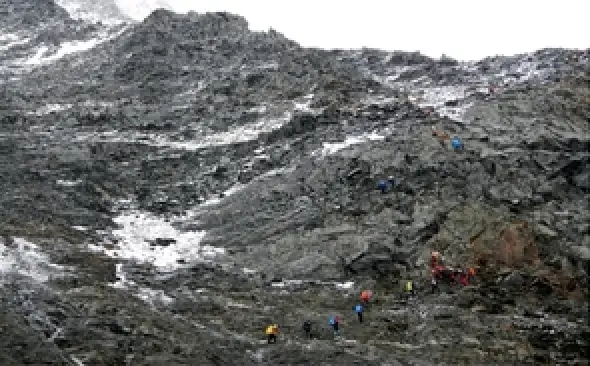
(183, 182)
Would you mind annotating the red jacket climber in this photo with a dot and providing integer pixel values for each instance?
(366, 296)
(463, 278)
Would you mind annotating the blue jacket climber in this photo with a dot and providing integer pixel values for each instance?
(382, 186)
(359, 312)
(335, 324)
(456, 143)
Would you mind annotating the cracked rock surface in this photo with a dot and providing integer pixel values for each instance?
(181, 183)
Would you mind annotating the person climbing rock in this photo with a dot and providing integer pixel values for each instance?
(335, 324)
(382, 186)
(271, 332)
(456, 275)
(307, 329)
(358, 309)
(391, 180)
(450, 274)
(434, 257)
(442, 136)
(434, 273)
(409, 288)
(366, 296)
(471, 274)
(434, 284)
(463, 277)
(456, 143)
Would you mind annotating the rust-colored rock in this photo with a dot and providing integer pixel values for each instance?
(513, 245)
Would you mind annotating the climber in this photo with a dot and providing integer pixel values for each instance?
(434, 259)
(366, 295)
(441, 135)
(463, 278)
(434, 284)
(382, 186)
(471, 274)
(391, 180)
(456, 275)
(445, 274)
(307, 328)
(335, 324)
(456, 143)
(409, 288)
(358, 309)
(271, 332)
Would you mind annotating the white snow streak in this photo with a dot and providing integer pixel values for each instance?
(26, 259)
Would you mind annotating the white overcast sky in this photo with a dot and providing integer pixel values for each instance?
(464, 29)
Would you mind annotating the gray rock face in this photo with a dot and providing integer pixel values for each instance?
(126, 166)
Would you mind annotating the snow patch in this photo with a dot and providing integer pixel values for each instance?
(216, 200)
(76, 361)
(190, 93)
(8, 37)
(329, 148)
(25, 259)
(105, 12)
(239, 187)
(68, 183)
(237, 305)
(140, 9)
(66, 48)
(345, 285)
(287, 283)
(36, 59)
(243, 133)
(137, 241)
(438, 96)
(97, 103)
(258, 109)
(46, 109)
(305, 105)
(13, 42)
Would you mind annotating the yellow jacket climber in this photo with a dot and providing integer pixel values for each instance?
(271, 332)
(409, 287)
